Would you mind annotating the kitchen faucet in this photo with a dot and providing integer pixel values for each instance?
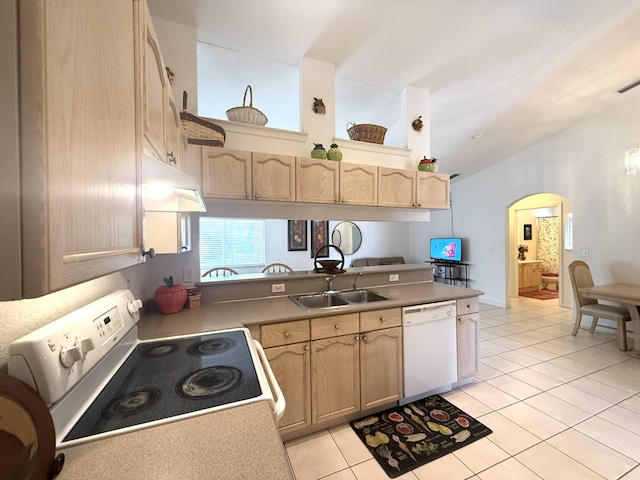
(359, 274)
(329, 281)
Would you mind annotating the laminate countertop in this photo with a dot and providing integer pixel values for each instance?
(254, 312)
(234, 444)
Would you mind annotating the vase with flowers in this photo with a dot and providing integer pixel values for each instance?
(522, 249)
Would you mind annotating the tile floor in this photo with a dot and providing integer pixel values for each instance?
(560, 407)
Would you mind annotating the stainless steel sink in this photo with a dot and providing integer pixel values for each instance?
(319, 300)
(361, 296)
(336, 299)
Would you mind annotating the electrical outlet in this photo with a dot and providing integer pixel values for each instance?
(585, 252)
(187, 275)
(394, 277)
(128, 284)
(277, 288)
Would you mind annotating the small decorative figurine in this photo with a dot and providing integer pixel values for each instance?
(318, 151)
(334, 153)
(417, 124)
(318, 105)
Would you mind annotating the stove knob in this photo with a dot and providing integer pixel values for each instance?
(86, 344)
(134, 306)
(70, 355)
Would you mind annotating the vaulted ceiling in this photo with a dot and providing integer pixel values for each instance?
(510, 73)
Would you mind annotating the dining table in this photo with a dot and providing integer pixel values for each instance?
(627, 294)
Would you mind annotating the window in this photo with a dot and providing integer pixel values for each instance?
(231, 242)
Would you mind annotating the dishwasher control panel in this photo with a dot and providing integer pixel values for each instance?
(428, 312)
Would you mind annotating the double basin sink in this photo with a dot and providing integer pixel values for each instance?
(337, 299)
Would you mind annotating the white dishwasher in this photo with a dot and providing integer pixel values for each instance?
(430, 353)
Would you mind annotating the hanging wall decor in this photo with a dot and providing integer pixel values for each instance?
(318, 106)
(417, 124)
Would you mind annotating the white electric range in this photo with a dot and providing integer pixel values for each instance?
(98, 379)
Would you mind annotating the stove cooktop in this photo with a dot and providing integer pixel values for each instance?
(172, 377)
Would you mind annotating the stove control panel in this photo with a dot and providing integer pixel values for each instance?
(55, 357)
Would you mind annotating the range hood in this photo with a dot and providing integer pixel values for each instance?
(167, 189)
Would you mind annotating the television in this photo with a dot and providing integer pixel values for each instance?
(446, 249)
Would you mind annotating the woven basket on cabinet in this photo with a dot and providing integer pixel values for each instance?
(248, 114)
(200, 131)
(365, 132)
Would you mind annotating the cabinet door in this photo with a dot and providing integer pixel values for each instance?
(432, 190)
(226, 173)
(317, 181)
(274, 177)
(467, 327)
(79, 160)
(536, 274)
(335, 377)
(381, 367)
(172, 133)
(155, 87)
(358, 184)
(396, 187)
(291, 365)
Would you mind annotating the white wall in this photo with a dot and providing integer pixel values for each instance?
(584, 164)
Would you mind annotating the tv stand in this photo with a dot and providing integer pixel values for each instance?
(451, 273)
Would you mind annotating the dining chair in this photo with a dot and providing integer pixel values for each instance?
(580, 275)
(220, 272)
(277, 268)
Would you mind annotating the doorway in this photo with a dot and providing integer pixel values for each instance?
(537, 226)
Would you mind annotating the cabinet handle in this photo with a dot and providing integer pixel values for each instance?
(257, 196)
(247, 195)
(337, 326)
(364, 339)
(356, 337)
(306, 346)
(382, 320)
(286, 334)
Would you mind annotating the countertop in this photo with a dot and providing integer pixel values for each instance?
(234, 444)
(247, 313)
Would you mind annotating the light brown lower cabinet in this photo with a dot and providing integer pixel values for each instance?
(467, 330)
(335, 377)
(381, 379)
(328, 369)
(291, 364)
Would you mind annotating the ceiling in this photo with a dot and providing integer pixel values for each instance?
(510, 72)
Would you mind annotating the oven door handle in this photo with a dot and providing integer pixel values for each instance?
(280, 403)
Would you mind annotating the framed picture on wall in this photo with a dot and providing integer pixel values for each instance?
(526, 234)
(297, 235)
(319, 237)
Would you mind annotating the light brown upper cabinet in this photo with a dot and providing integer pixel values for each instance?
(155, 86)
(81, 214)
(396, 187)
(432, 190)
(226, 173)
(274, 177)
(317, 181)
(358, 184)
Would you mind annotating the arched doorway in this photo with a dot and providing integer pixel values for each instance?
(526, 212)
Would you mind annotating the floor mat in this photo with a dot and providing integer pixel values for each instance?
(541, 294)
(403, 438)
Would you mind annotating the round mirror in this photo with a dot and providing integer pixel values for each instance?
(347, 237)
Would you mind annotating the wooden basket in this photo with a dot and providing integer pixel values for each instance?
(200, 131)
(248, 114)
(366, 132)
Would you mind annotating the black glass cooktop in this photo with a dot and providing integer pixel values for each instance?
(172, 377)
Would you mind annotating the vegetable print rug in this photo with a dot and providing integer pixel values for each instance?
(405, 437)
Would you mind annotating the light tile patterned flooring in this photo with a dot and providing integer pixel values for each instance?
(560, 407)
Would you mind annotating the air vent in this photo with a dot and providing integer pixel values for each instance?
(453, 175)
(626, 88)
